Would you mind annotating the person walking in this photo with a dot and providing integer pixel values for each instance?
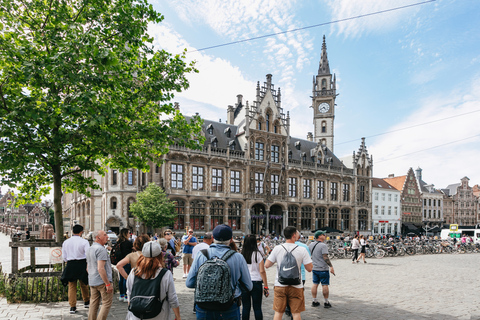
(74, 252)
(355, 246)
(284, 294)
(126, 247)
(321, 265)
(99, 277)
(222, 236)
(189, 241)
(132, 257)
(256, 267)
(363, 246)
(150, 267)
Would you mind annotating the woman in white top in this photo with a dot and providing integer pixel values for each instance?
(363, 245)
(355, 246)
(257, 272)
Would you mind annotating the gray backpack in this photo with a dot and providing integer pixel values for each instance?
(288, 271)
(213, 290)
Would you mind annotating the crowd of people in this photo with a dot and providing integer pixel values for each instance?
(229, 282)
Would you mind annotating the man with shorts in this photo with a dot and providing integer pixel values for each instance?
(189, 241)
(321, 264)
(289, 294)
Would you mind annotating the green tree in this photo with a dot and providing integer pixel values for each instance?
(82, 89)
(153, 207)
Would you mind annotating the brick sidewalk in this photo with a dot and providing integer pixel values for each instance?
(411, 287)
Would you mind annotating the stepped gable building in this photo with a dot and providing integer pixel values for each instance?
(432, 203)
(23, 217)
(411, 200)
(251, 173)
(462, 205)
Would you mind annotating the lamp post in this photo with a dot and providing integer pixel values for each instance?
(29, 207)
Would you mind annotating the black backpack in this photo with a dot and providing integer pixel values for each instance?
(288, 271)
(145, 300)
(213, 290)
(116, 254)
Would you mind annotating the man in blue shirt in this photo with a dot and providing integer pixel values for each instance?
(222, 235)
(189, 241)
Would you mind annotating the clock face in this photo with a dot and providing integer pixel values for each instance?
(323, 107)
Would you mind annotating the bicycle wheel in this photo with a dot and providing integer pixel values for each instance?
(379, 254)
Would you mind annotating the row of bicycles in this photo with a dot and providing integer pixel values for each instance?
(340, 249)
(378, 249)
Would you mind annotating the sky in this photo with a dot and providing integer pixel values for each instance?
(408, 80)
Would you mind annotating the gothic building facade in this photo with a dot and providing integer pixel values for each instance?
(251, 174)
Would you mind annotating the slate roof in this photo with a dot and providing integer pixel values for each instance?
(424, 189)
(220, 133)
(451, 189)
(381, 183)
(396, 182)
(304, 148)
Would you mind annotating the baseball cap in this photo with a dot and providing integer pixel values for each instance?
(151, 249)
(222, 232)
(319, 232)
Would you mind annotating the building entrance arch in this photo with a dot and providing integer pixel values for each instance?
(113, 223)
(258, 219)
(276, 219)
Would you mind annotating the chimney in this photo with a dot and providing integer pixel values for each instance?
(391, 175)
(310, 136)
(230, 114)
(239, 99)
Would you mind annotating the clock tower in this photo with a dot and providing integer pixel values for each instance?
(323, 101)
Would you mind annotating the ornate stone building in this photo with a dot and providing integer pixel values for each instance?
(22, 217)
(463, 206)
(250, 173)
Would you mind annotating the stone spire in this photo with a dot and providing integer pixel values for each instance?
(323, 67)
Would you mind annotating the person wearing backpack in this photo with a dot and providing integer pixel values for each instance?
(288, 281)
(321, 264)
(150, 288)
(217, 274)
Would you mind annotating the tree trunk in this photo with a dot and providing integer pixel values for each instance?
(57, 202)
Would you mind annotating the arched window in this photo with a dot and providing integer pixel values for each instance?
(276, 127)
(179, 222)
(362, 220)
(216, 213)
(324, 126)
(332, 218)
(113, 203)
(259, 124)
(267, 122)
(324, 84)
(306, 223)
(235, 215)
(320, 216)
(197, 215)
(292, 216)
(129, 202)
(345, 219)
(324, 142)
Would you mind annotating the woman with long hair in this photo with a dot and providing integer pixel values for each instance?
(170, 261)
(257, 272)
(149, 267)
(363, 246)
(132, 258)
(126, 247)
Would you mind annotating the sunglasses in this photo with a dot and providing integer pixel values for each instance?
(167, 233)
(190, 231)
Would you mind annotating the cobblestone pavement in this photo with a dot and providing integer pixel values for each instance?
(411, 287)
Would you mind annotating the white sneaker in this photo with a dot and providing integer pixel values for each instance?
(184, 275)
(125, 299)
(120, 299)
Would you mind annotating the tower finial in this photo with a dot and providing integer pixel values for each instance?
(323, 67)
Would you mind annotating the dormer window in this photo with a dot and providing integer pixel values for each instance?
(231, 145)
(298, 145)
(228, 132)
(214, 142)
(210, 129)
(304, 157)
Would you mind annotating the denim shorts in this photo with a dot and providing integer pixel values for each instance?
(231, 314)
(321, 277)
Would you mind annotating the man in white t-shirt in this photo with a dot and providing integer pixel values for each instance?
(291, 294)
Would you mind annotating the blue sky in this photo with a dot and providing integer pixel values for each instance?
(394, 70)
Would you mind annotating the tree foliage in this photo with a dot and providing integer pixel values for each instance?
(153, 207)
(82, 89)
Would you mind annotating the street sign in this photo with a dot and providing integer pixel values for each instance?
(55, 255)
(454, 227)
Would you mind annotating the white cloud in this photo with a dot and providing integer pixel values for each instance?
(384, 22)
(443, 149)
